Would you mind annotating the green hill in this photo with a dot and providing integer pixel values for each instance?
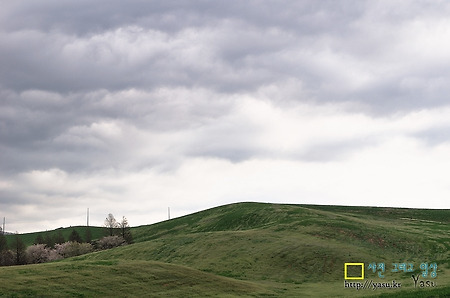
(30, 238)
(255, 249)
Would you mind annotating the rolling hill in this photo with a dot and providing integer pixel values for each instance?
(255, 249)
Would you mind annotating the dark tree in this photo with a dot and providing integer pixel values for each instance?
(88, 235)
(3, 243)
(6, 257)
(125, 230)
(19, 249)
(75, 237)
(59, 238)
(111, 224)
(39, 240)
(49, 241)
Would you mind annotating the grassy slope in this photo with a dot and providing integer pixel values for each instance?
(267, 249)
(30, 238)
(119, 278)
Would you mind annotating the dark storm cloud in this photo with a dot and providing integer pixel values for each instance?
(85, 17)
(365, 52)
(221, 45)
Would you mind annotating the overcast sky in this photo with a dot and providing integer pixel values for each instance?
(131, 107)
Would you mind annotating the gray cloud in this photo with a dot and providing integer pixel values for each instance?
(91, 93)
(361, 52)
(62, 62)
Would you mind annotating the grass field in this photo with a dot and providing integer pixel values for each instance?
(253, 249)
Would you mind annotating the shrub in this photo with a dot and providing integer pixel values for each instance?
(54, 255)
(85, 248)
(110, 242)
(71, 249)
(41, 253)
(37, 253)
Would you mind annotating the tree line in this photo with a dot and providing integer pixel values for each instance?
(54, 247)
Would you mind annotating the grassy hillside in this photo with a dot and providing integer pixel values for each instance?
(118, 278)
(30, 238)
(254, 249)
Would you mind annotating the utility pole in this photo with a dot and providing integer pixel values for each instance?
(168, 212)
(3, 230)
(87, 218)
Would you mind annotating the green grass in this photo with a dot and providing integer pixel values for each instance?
(255, 249)
(119, 278)
(30, 238)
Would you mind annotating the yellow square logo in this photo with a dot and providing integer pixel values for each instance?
(353, 265)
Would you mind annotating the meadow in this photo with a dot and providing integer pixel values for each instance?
(253, 250)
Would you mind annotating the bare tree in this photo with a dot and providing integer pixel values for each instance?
(125, 230)
(111, 224)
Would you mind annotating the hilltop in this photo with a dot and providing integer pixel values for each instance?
(256, 249)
